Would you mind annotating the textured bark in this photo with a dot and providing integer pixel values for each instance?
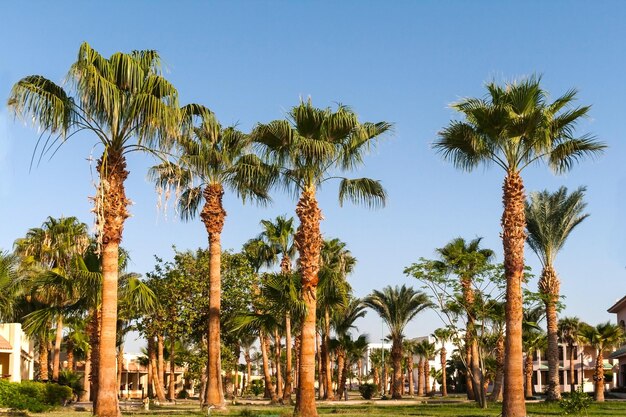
(477, 376)
(110, 206)
(426, 377)
(289, 361)
(150, 391)
(43, 360)
(344, 378)
(444, 384)
(171, 386)
(410, 371)
(598, 378)
(248, 369)
(296, 377)
(528, 372)
(470, 342)
(161, 360)
(308, 240)
(572, 359)
(496, 394)
(326, 365)
(93, 329)
(549, 287)
(213, 216)
(120, 365)
(56, 358)
(513, 238)
(269, 385)
(237, 355)
(321, 383)
(341, 361)
(69, 351)
(396, 358)
(156, 375)
(420, 377)
(84, 396)
(279, 374)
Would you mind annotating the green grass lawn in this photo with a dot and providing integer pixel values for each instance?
(379, 409)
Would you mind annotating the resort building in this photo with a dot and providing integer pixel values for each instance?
(16, 353)
(619, 308)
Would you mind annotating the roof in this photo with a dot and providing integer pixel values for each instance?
(4, 344)
(618, 353)
(619, 305)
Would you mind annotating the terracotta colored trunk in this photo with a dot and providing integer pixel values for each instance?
(285, 268)
(599, 378)
(279, 374)
(269, 385)
(248, 369)
(110, 207)
(477, 376)
(309, 243)
(468, 296)
(69, 350)
(513, 238)
(344, 378)
(120, 365)
(171, 386)
(327, 369)
(528, 372)
(341, 360)
(496, 394)
(444, 385)
(426, 377)
(321, 375)
(56, 359)
(396, 358)
(156, 375)
(377, 378)
(570, 347)
(93, 328)
(549, 287)
(420, 377)
(410, 371)
(84, 396)
(161, 360)
(213, 216)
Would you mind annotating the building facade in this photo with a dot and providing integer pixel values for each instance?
(16, 353)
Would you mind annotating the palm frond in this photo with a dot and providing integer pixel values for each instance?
(362, 191)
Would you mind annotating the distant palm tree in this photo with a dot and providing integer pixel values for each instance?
(443, 335)
(514, 127)
(550, 218)
(603, 337)
(312, 147)
(343, 321)
(466, 260)
(212, 158)
(397, 307)
(533, 341)
(569, 329)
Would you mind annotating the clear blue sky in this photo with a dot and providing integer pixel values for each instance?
(401, 61)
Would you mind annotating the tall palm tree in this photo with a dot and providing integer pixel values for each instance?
(343, 321)
(278, 237)
(569, 329)
(602, 337)
(550, 218)
(513, 127)
(397, 307)
(428, 351)
(312, 147)
(443, 335)
(408, 346)
(126, 103)
(532, 341)
(466, 260)
(209, 159)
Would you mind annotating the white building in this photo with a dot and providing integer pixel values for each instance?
(16, 353)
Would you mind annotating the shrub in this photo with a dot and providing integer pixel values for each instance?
(57, 394)
(72, 380)
(183, 394)
(36, 397)
(257, 386)
(368, 390)
(576, 403)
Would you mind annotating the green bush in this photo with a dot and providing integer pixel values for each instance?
(32, 396)
(257, 386)
(368, 390)
(183, 394)
(576, 403)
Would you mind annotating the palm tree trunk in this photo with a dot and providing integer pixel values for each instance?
(84, 396)
(288, 366)
(599, 377)
(248, 369)
(308, 240)
(237, 352)
(549, 287)
(213, 215)
(396, 358)
(69, 351)
(296, 368)
(426, 377)
(468, 298)
(410, 370)
(321, 375)
(420, 377)
(120, 365)
(341, 360)
(269, 385)
(56, 359)
(528, 372)
(110, 206)
(156, 375)
(171, 386)
(513, 238)
(444, 385)
(161, 360)
(344, 378)
(93, 328)
(150, 391)
(496, 394)
(43, 359)
(571, 367)
(326, 361)
(279, 374)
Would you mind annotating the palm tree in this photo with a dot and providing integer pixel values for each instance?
(278, 238)
(9, 292)
(428, 351)
(603, 337)
(211, 158)
(343, 321)
(513, 127)
(550, 218)
(397, 306)
(119, 99)
(443, 335)
(466, 260)
(533, 341)
(408, 346)
(312, 147)
(569, 329)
